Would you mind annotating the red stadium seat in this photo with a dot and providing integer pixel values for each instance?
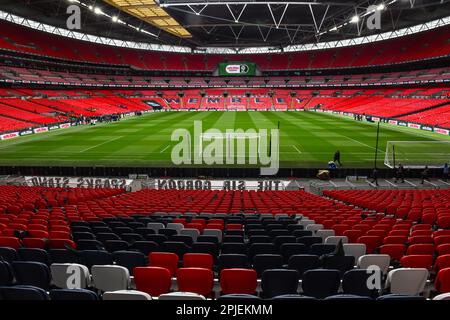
(61, 244)
(198, 260)
(196, 280)
(417, 261)
(423, 248)
(427, 233)
(422, 226)
(398, 233)
(441, 240)
(443, 249)
(152, 280)
(37, 227)
(444, 222)
(420, 239)
(395, 240)
(441, 233)
(353, 235)
(38, 234)
(11, 242)
(371, 242)
(442, 282)
(442, 262)
(35, 243)
(166, 260)
(238, 281)
(395, 251)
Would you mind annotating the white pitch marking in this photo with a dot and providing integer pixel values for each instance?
(362, 143)
(296, 149)
(162, 151)
(100, 144)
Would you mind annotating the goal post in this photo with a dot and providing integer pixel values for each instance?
(417, 154)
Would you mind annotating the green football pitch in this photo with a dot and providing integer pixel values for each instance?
(307, 140)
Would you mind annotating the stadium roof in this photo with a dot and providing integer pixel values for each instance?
(203, 24)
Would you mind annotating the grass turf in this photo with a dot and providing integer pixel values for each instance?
(307, 140)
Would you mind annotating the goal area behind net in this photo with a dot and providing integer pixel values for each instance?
(417, 154)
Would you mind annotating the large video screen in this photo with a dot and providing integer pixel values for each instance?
(237, 69)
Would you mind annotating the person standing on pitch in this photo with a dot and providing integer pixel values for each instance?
(424, 174)
(337, 158)
(400, 174)
(445, 172)
(375, 176)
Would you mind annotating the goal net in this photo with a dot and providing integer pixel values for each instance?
(417, 154)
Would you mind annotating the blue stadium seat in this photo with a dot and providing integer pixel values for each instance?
(8, 254)
(95, 257)
(73, 295)
(129, 259)
(24, 293)
(303, 263)
(34, 254)
(32, 274)
(6, 274)
(321, 283)
(278, 282)
(355, 282)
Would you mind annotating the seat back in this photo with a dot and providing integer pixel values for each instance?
(32, 274)
(129, 260)
(238, 281)
(355, 282)
(110, 278)
(23, 293)
(62, 275)
(380, 260)
(321, 283)
(303, 263)
(277, 282)
(152, 280)
(232, 261)
(198, 260)
(407, 281)
(196, 280)
(6, 274)
(166, 260)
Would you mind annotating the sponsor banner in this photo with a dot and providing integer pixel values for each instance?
(442, 131)
(66, 182)
(26, 133)
(427, 128)
(395, 122)
(414, 125)
(40, 130)
(7, 136)
(402, 123)
(200, 184)
(376, 119)
(64, 125)
(53, 127)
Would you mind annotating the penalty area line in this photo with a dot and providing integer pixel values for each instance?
(167, 147)
(296, 149)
